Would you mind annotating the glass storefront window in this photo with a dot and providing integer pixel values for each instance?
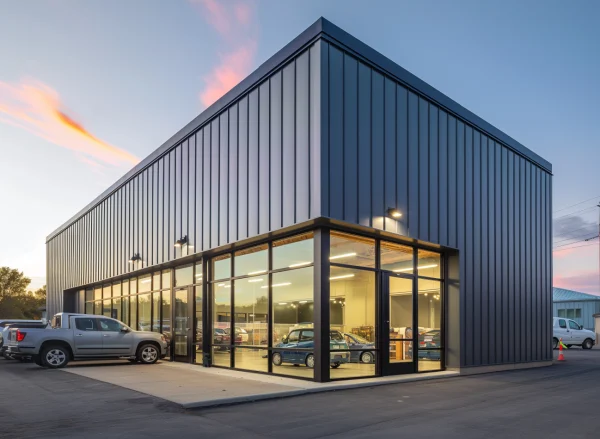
(293, 313)
(133, 322)
(89, 307)
(166, 313)
(401, 319)
(144, 312)
(89, 295)
(352, 323)
(106, 308)
(198, 273)
(166, 279)
(145, 283)
(350, 249)
(133, 286)
(294, 252)
(221, 292)
(396, 257)
(125, 313)
(430, 321)
(221, 267)
(125, 288)
(106, 294)
(116, 309)
(97, 293)
(184, 276)
(429, 264)
(156, 281)
(198, 323)
(116, 289)
(98, 308)
(251, 312)
(252, 261)
(156, 312)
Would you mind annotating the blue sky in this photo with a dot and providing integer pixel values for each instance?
(132, 73)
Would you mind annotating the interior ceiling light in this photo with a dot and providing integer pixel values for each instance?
(145, 281)
(257, 272)
(284, 284)
(394, 213)
(344, 255)
(303, 301)
(299, 264)
(342, 276)
(134, 258)
(181, 242)
(420, 267)
(282, 303)
(255, 280)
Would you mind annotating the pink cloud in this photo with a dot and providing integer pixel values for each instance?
(235, 23)
(585, 281)
(36, 108)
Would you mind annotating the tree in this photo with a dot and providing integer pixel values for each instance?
(15, 301)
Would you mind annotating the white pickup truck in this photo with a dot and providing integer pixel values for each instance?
(85, 337)
(571, 334)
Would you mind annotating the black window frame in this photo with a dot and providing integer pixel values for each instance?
(92, 319)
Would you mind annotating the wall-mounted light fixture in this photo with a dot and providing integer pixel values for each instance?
(394, 213)
(136, 257)
(181, 242)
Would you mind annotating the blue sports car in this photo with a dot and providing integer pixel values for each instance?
(304, 339)
(366, 354)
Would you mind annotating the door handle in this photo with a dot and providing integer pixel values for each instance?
(79, 335)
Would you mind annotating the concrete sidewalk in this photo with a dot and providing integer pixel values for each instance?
(192, 386)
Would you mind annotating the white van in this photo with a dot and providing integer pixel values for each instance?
(572, 334)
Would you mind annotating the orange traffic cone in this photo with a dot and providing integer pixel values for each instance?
(561, 357)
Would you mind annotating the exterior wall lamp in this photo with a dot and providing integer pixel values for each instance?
(136, 257)
(181, 242)
(394, 213)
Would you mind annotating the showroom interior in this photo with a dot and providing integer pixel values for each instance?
(330, 217)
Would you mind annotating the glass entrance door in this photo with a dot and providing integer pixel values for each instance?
(398, 323)
(183, 335)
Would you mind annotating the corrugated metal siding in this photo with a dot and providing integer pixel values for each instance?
(386, 146)
(220, 185)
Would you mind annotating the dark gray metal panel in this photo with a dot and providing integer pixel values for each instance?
(242, 218)
(264, 200)
(491, 272)
(506, 310)
(413, 165)
(452, 200)
(253, 165)
(402, 156)
(434, 172)
(289, 147)
(377, 150)
(316, 131)
(422, 228)
(215, 200)
(460, 232)
(336, 133)
(199, 193)
(477, 266)
(232, 184)
(389, 159)
(185, 190)
(276, 96)
(223, 146)
(302, 183)
(207, 190)
(469, 249)
(191, 193)
(350, 138)
(364, 145)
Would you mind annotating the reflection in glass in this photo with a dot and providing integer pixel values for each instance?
(116, 308)
(397, 258)
(98, 308)
(251, 312)
(156, 312)
(89, 295)
(145, 283)
(97, 293)
(181, 323)
(293, 252)
(106, 308)
(430, 320)
(144, 312)
(106, 292)
(156, 281)
(221, 267)
(198, 323)
(125, 288)
(251, 359)
(252, 261)
(429, 264)
(133, 286)
(125, 313)
(89, 307)
(184, 276)
(352, 250)
(221, 292)
(352, 320)
(166, 279)
(401, 319)
(198, 273)
(133, 312)
(116, 289)
(166, 313)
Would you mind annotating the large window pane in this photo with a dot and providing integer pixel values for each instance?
(97, 293)
(89, 295)
(397, 258)
(429, 264)
(106, 294)
(156, 312)
(252, 261)
(144, 312)
(221, 292)
(401, 320)
(133, 286)
(156, 281)
(221, 267)
(293, 252)
(106, 308)
(98, 307)
(166, 279)
(198, 323)
(145, 283)
(125, 314)
(116, 289)
(251, 312)
(125, 288)
(89, 307)
(198, 273)
(293, 311)
(116, 308)
(352, 250)
(184, 276)
(430, 320)
(352, 320)
(166, 314)
(133, 322)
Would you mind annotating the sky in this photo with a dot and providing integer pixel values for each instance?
(89, 88)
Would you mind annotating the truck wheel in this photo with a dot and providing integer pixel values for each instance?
(37, 360)
(55, 357)
(587, 344)
(148, 354)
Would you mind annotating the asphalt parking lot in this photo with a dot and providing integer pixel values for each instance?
(552, 402)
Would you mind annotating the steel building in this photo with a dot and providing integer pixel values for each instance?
(577, 306)
(330, 206)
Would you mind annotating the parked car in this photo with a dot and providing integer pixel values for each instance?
(220, 339)
(84, 337)
(429, 345)
(5, 333)
(241, 335)
(367, 348)
(572, 334)
(304, 339)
